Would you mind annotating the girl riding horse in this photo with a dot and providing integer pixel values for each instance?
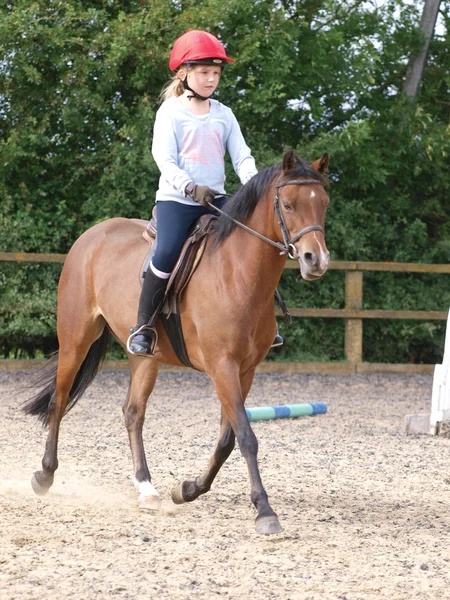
(191, 134)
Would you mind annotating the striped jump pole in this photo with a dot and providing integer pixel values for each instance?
(290, 411)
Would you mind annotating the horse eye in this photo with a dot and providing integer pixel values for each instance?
(287, 206)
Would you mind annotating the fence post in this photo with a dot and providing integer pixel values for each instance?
(353, 327)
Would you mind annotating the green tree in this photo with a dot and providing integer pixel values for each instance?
(79, 85)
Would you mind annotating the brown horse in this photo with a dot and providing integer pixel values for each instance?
(227, 317)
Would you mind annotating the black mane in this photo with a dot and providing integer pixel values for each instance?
(241, 205)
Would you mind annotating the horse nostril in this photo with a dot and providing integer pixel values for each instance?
(310, 258)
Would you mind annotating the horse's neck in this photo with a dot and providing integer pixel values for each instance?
(259, 263)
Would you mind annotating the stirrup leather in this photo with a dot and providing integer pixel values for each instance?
(141, 329)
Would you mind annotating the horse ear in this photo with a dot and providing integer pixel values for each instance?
(289, 161)
(321, 164)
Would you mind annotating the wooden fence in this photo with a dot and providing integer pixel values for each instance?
(353, 313)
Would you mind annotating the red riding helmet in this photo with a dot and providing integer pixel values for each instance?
(197, 47)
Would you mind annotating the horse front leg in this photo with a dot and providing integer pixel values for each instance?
(143, 377)
(231, 395)
(266, 521)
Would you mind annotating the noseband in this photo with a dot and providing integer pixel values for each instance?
(288, 246)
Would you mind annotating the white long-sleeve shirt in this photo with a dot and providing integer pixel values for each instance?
(188, 148)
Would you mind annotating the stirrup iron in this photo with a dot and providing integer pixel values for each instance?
(139, 330)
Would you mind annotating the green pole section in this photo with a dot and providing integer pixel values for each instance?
(261, 413)
(289, 411)
(301, 410)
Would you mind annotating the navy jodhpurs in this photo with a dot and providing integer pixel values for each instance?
(174, 222)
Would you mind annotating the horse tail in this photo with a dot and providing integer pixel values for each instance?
(38, 405)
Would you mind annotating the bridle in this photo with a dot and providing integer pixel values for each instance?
(289, 242)
(288, 246)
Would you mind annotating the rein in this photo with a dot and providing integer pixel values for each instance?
(288, 246)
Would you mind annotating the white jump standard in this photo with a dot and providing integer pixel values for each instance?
(440, 398)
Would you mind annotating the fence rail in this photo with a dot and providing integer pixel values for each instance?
(353, 313)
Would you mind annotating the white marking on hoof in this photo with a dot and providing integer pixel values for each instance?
(148, 496)
(149, 503)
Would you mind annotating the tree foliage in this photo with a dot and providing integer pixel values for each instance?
(79, 85)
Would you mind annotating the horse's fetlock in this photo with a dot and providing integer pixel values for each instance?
(142, 474)
(201, 488)
(192, 489)
(49, 465)
(189, 490)
(259, 497)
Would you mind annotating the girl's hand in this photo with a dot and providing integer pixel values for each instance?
(203, 194)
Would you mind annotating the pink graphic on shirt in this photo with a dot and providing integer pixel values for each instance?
(203, 146)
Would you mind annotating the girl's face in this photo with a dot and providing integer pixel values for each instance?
(204, 79)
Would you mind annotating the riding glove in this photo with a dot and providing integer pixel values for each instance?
(201, 193)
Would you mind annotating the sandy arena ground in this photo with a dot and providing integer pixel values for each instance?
(365, 508)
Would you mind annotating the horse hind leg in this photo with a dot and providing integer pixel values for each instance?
(189, 490)
(143, 377)
(42, 480)
(77, 367)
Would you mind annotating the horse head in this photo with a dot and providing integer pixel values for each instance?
(302, 204)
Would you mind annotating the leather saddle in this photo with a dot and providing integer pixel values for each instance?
(187, 263)
(190, 255)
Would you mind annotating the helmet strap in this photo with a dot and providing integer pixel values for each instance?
(193, 92)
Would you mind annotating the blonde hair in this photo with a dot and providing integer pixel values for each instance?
(174, 87)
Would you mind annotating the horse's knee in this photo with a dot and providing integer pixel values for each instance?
(248, 444)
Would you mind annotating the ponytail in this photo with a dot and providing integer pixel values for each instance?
(173, 88)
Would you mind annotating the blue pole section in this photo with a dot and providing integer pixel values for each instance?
(290, 411)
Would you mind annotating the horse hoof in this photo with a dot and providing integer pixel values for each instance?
(268, 525)
(38, 489)
(149, 502)
(177, 494)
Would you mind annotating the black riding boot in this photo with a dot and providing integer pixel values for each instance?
(143, 338)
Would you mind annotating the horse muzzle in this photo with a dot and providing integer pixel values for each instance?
(313, 264)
